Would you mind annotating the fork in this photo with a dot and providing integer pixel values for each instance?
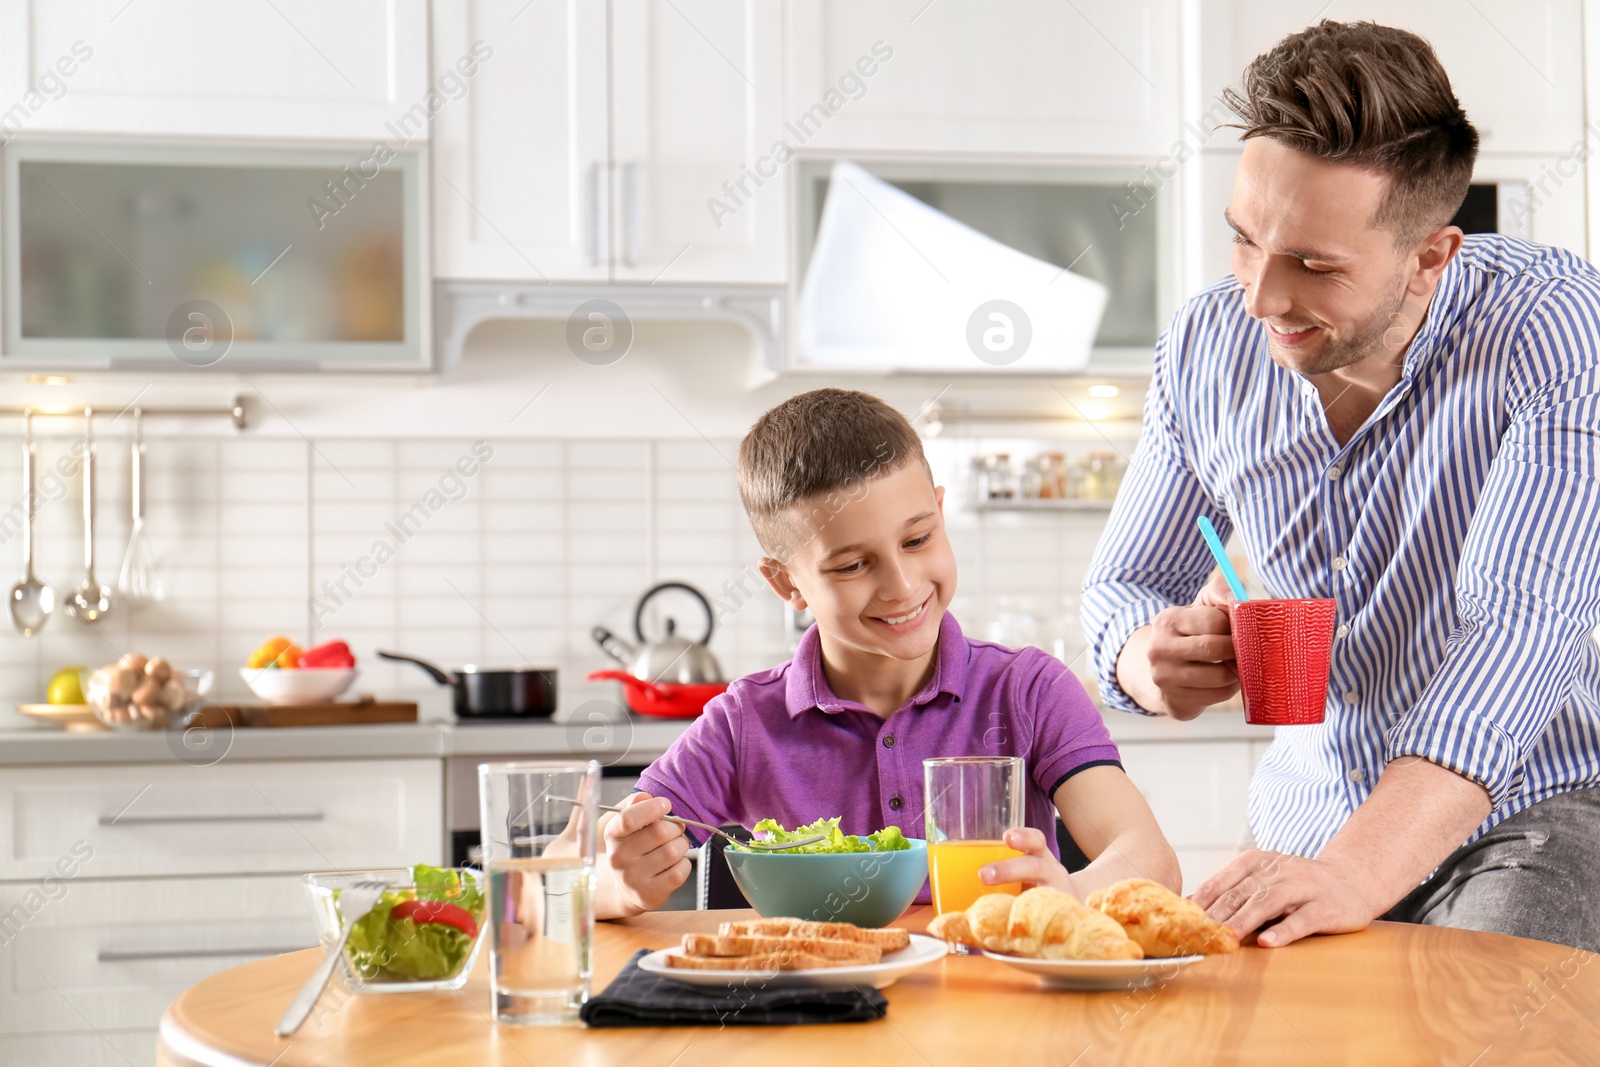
(354, 902)
(759, 846)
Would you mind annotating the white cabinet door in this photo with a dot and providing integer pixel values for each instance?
(1516, 65)
(228, 818)
(1092, 77)
(291, 68)
(697, 108)
(111, 955)
(520, 163)
(1199, 792)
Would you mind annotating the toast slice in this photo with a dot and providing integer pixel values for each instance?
(772, 961)
(888, 939)
(854, 952)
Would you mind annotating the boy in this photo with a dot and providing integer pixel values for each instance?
(843, 502)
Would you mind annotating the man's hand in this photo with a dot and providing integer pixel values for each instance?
(645, 858)
(1038, 866)
(1315, 896)
(1182, 662)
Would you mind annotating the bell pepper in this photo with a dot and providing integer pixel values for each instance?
(333, 654)
(289, 657)
(436, 911)
(268, 652)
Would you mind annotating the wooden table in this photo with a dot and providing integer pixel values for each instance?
(1392, 994)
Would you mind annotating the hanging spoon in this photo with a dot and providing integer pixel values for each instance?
(91, 600)
(31, 601)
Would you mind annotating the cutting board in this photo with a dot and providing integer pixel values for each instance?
(334, 713)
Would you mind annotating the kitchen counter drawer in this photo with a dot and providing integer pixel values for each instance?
(228, 818)
(111, 955)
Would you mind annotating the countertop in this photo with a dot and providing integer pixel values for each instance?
(636, 741)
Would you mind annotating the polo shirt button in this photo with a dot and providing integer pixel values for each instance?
(896, 803)
(888, 742)
(1342, 631)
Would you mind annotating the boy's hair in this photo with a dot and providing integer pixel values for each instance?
(819, 450)
(1373, 96)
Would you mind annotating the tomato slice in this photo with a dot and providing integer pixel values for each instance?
(437, 911)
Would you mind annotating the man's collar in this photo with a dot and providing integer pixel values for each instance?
(807, 686)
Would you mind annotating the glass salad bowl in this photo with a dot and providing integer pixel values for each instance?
(424, 932)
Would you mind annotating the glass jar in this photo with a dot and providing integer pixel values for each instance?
(1000, 480)
(1052, 475)
(1108, 465)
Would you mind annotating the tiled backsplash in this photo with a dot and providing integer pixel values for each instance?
(499, 552)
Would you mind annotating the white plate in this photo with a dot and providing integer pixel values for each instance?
(890, 969)
(1099, 974)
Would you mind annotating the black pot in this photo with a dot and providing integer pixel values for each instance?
(480, 693)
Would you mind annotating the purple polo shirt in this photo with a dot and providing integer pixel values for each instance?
(779, 744)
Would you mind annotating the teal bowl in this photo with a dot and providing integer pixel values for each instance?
(864, 888)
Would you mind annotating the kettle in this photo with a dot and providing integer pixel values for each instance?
(673, 659)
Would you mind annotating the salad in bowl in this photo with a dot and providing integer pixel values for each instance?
(424, 932)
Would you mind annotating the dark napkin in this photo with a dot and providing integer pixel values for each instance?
(638, 998)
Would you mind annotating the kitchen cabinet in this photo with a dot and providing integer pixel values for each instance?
(144, 820)
(1007, 77)
(601, 142)
(123, 884)
(1515, 65)
(521, 165)
(291, 68)
(111, 954)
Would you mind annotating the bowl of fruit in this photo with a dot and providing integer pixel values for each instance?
(281, 672)
(423, 933)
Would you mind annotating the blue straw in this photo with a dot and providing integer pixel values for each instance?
(1214, 542)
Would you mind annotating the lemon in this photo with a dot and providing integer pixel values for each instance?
(65, 687)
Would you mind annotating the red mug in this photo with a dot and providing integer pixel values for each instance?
(1282, 648)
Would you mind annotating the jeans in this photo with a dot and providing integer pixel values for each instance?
(1536, 875)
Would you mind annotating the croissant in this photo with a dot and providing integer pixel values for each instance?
(1161, 922)
(1041, 922)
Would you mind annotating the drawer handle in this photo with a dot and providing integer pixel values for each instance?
(104, 956)
(266, 816)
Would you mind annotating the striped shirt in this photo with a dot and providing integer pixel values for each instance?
(1458, 531)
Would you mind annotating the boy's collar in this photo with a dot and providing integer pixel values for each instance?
(806, 687)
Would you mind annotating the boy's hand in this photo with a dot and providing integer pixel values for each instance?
(1182, 662)
(1038, 867)
(645, 857)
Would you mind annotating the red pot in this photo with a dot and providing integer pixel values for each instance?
(665, 700)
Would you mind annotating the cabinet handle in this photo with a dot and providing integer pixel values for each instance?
(108, 956)
(594, 214)
(266, 816)
(629, 191)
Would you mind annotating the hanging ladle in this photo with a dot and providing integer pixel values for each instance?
(91, 600)
(31, 601)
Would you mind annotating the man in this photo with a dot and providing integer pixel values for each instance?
(1408, 422)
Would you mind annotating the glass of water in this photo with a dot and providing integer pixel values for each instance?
(539, 823)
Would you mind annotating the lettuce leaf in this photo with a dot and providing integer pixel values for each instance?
(384, 948)
(889, 839)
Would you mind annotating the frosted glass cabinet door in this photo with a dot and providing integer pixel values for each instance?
(521, 162)
(181, 258)
(697, 111)
(290, 68)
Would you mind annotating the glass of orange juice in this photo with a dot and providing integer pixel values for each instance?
(969, 804)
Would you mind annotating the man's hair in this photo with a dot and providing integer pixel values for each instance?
(1372, 96)
(818, 451)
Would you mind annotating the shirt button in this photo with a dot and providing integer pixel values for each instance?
(1333, 474)
(1338, 563)
(888, 742)
(1308, 389)
(896, 803)
(1351, 696)
(1356, 774)
(1342, 631)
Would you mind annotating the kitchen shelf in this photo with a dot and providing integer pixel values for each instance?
(1025, 504)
